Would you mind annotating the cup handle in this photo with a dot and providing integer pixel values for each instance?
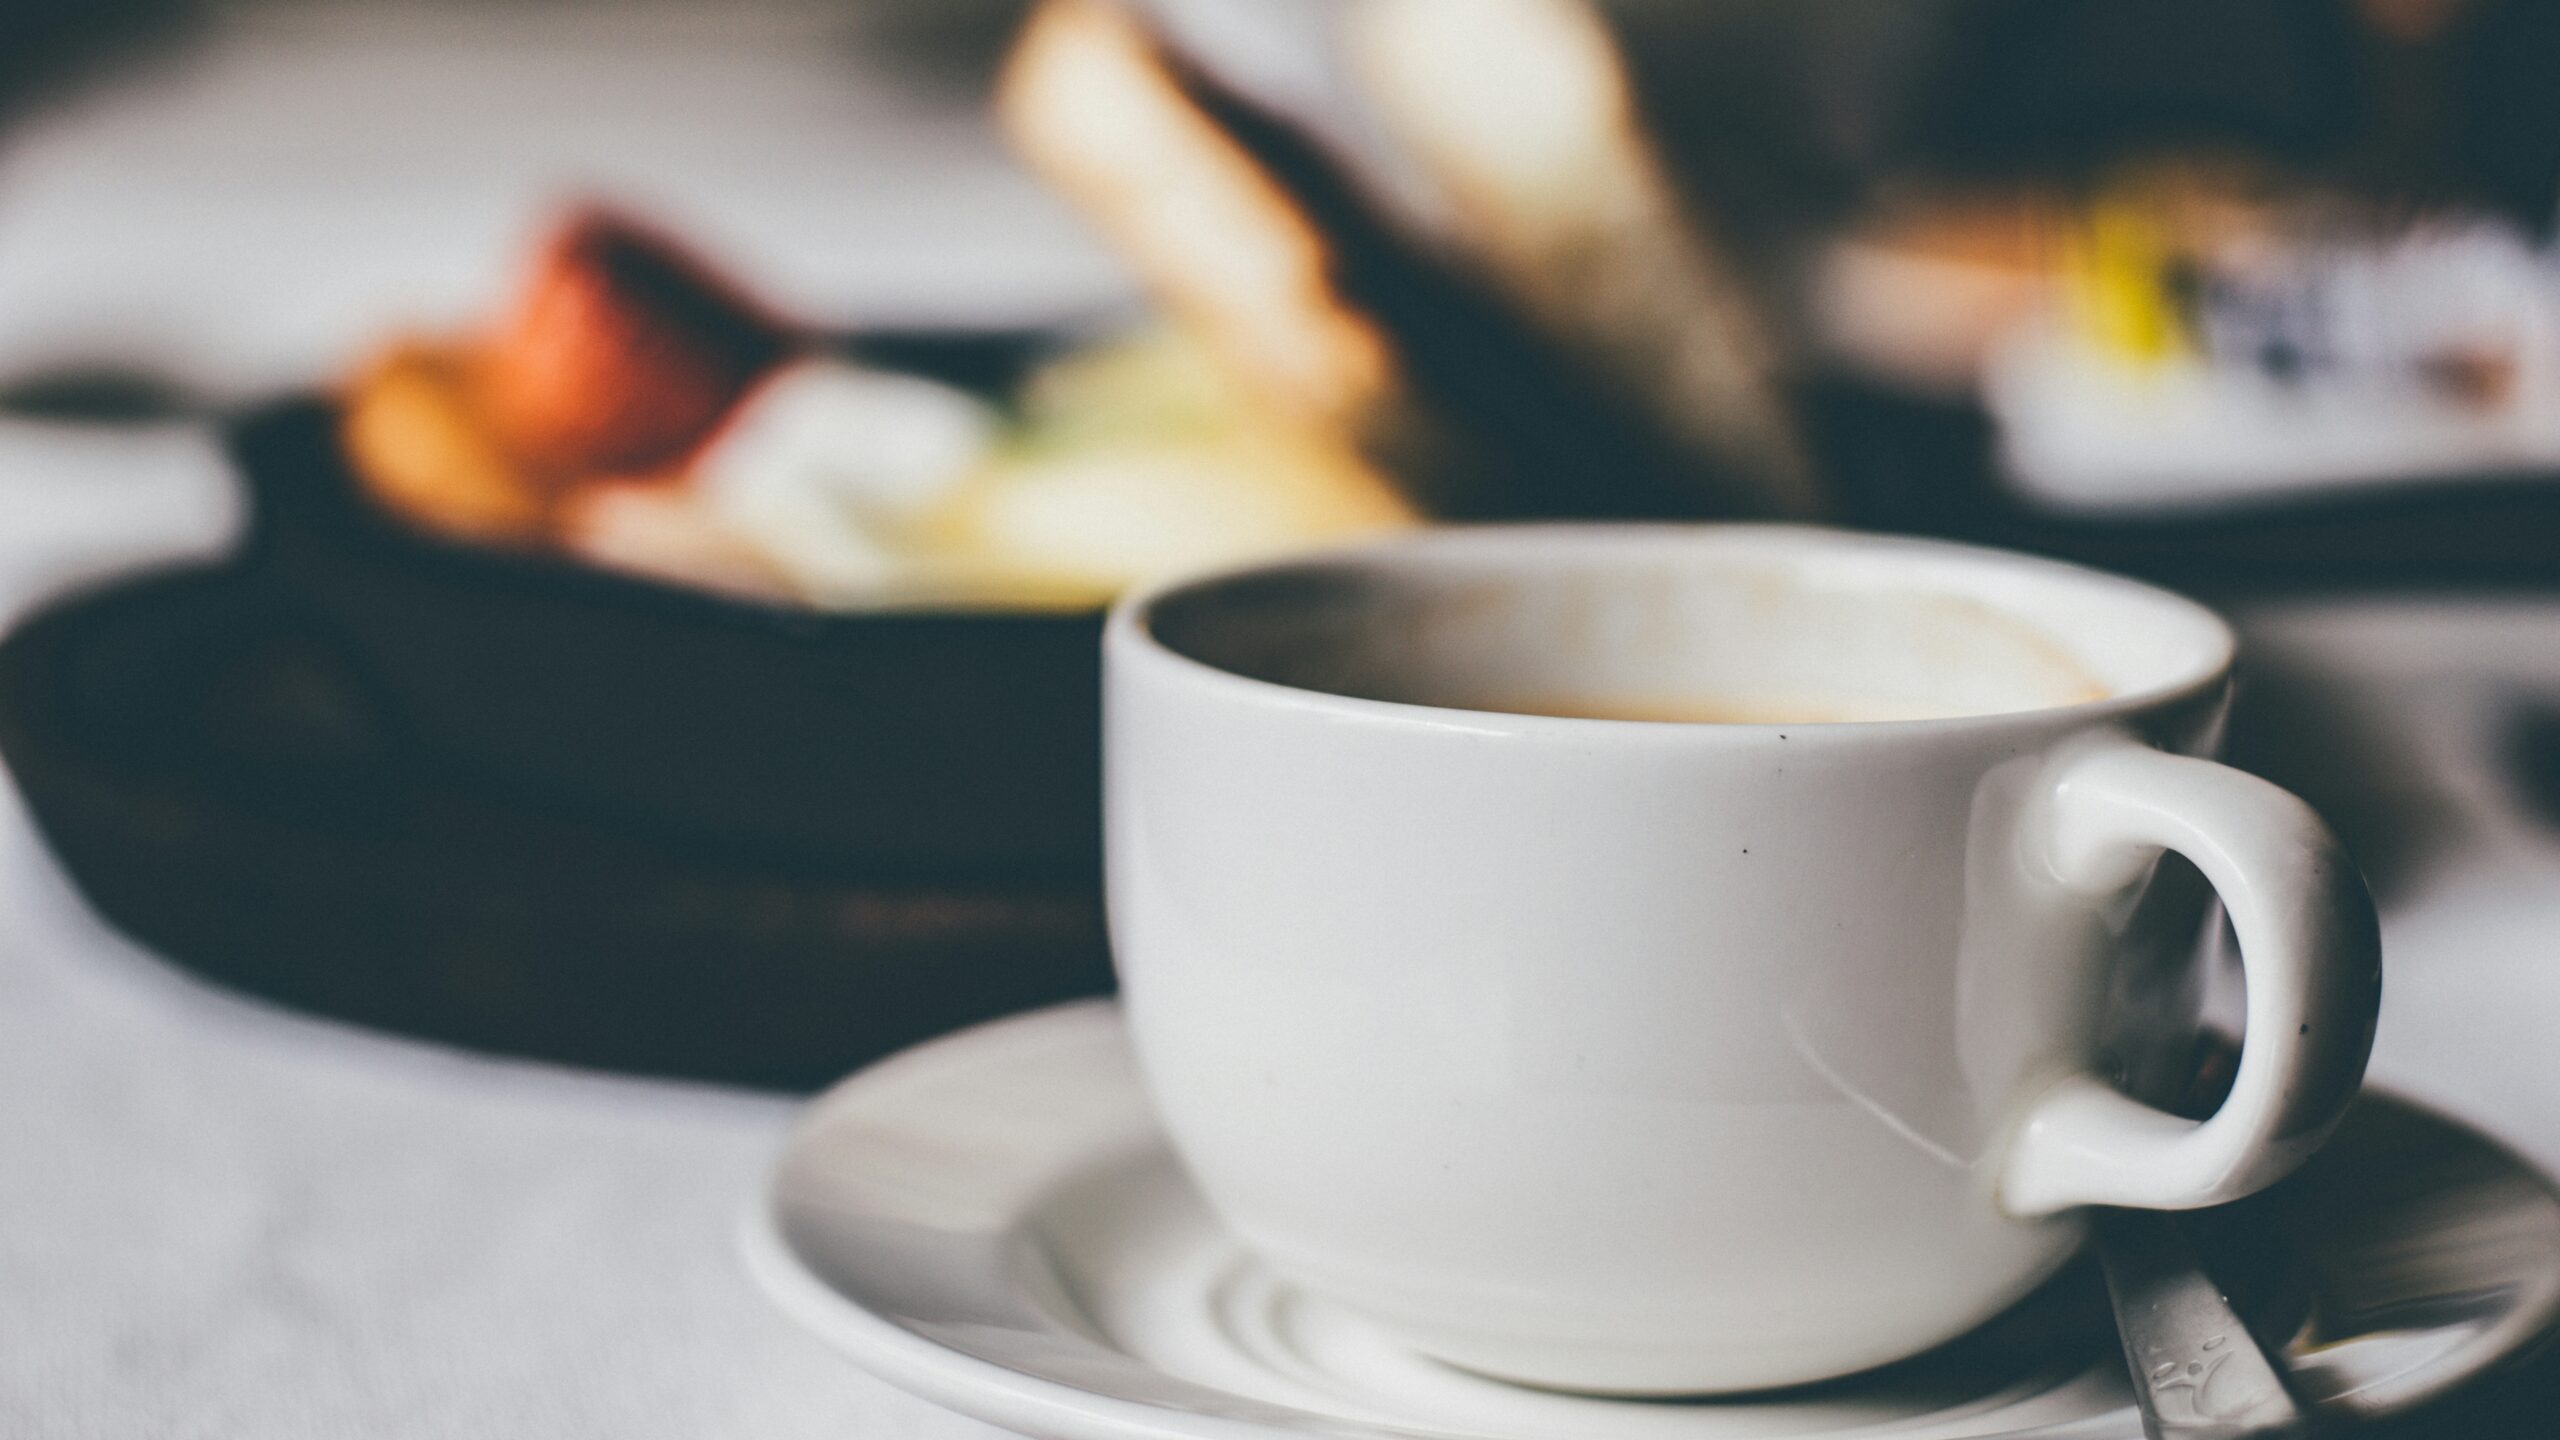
(2311, 952)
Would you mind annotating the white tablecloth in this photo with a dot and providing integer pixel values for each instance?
(219, 1220)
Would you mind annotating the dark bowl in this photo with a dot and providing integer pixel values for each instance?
(222, 781)
(942, 744)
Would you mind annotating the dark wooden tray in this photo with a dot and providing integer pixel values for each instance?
(933, 742)
(227, 779)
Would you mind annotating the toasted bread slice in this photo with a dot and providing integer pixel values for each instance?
(1263, 243)
(1519, 112)
(1095, 104)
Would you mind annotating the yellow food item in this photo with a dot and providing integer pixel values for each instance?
(1100, 519)
(423, 450)
(1138, 460)
(2121, 287)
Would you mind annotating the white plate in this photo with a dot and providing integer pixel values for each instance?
(993, 1222)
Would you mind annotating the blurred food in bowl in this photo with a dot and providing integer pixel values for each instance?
(634, 411)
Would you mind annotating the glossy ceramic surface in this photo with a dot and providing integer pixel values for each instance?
(993, 1221)
(1658, 1058)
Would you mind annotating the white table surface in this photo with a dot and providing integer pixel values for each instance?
(221, 1220)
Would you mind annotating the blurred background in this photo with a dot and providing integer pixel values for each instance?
(630, 485)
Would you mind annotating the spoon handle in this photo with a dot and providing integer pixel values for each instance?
(2198, 1373)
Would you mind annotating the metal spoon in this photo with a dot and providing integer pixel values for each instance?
(2198, 1371)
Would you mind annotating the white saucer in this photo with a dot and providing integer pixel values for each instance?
(993, 1222)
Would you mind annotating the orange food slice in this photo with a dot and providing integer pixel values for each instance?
(622, 353)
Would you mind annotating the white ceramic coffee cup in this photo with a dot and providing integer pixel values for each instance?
(1656, 1057)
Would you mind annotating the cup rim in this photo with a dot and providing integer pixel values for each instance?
(1129, 634)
